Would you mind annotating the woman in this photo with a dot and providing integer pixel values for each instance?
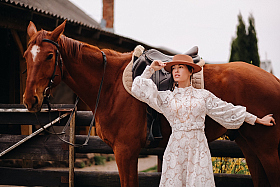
(187, 159)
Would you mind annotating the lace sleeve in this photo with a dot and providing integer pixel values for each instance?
(145, 90)
(228, 115)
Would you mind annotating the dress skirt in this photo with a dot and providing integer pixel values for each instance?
(187, 161)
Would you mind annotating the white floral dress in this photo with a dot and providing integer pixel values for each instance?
(187, 159)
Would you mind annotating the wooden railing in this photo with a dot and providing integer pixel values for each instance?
(50, 148)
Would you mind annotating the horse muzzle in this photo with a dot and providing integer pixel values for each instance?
(33, 103)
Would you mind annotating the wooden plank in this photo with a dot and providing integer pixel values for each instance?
(225, 148)
(83, 118)
(18, 114)
(218, 148)
(22, 118)
(44, 107)
(37, 132)
(51, 143)
(111, 179)
(34, 177)
(95, 145)
(41, 147)
(72, 152)
(26, 129)
(233, 180)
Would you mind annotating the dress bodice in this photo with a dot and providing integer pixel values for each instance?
(186, 108)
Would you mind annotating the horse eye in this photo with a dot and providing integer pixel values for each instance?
(50, 56)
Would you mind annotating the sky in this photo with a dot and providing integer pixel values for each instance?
(181, 24)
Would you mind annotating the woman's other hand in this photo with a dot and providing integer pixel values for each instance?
(267, 120)
(157, 65)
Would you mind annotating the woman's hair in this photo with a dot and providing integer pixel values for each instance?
(172, 83)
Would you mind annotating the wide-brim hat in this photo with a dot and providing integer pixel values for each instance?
(182, 59)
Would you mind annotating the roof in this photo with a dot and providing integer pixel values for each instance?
(82, 27)
(63, 9)
(267, 66)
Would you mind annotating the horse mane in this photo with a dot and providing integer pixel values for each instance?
(116, 54)
(38, 37)
(71, 46)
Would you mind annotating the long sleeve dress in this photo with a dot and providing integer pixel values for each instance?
(187, 159)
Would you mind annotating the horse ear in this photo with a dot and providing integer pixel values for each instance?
(58, 31)
(31, 29)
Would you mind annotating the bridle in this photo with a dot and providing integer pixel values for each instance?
(47, 95)
(58, 59)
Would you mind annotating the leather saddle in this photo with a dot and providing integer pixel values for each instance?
(162, 79)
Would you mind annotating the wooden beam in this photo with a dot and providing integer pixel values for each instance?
(16, 114)
(18, 42)
(33, 177)
(38, 177)
(72, 151)
(225, 148)
(218, 148)
(41, 147)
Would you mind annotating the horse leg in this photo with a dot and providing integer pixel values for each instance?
(265, 146)
(271, 164)
(127, 161)
(256, 169)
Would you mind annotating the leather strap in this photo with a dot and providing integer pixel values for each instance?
(57, 54)
(96, 106)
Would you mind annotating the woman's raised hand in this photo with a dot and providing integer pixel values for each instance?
(267, 120)
(157, 65)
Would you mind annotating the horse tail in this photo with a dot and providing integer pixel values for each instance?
(279, 150)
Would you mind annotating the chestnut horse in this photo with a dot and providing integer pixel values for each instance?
(121, 119)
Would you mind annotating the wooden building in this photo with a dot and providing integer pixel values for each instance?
(15, 16)
(14, 19)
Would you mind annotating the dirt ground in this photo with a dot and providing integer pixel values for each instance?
(143, 164)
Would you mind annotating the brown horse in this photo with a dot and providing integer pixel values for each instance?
(121, 119)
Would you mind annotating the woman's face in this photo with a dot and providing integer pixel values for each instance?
(181, 73)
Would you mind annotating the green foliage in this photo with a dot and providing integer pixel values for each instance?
(99, 160)
(151, 169)
(230, 165)
(245, 46)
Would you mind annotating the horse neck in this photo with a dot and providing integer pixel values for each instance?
(84, 66)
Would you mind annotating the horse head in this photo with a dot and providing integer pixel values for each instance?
(43, 65)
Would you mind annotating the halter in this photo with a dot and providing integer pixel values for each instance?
(46, 96)
(49, 87)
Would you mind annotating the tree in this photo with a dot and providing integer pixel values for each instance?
(253, 42)
(245, 46)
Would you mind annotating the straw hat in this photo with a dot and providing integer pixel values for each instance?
(182, 59)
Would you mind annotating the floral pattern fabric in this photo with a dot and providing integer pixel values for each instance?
(187, 159)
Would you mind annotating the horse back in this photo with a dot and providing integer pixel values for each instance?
(244, 84)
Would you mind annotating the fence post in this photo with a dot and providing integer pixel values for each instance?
(71, 151)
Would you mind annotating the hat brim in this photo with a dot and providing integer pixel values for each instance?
(196, 68)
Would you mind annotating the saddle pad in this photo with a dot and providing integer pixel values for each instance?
(197, 80)
(127, 77)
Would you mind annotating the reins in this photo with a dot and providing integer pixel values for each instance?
(47, 95)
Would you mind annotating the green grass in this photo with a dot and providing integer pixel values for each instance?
(151, 169)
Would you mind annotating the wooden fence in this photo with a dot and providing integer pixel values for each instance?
(50, 148)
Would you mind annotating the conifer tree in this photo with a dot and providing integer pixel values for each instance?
(253, 53)
(245, 46)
